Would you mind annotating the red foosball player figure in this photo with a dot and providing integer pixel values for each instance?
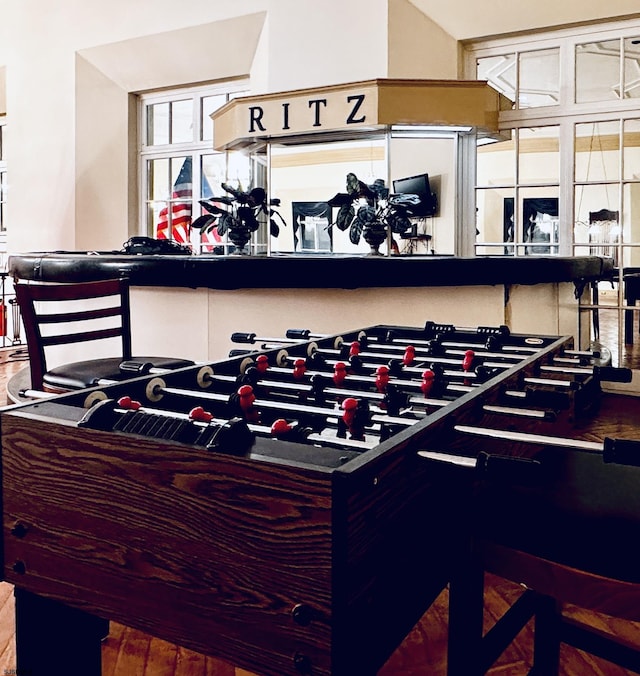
(354, 349)
(299, 369)
(428, 379)
(128, 403)
(246, 397)
(339, 373)
(355, 417)
(280, 428)
(382, 378)
(409, 355)
(198, 414)
(467, 363)
(262, 363)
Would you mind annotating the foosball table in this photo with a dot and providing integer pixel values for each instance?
(293, 509)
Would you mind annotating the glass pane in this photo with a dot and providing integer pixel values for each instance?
(158, 124)
(494, 221)
(596, 219)
(213, 172)
(631, 149)
(182, 121)
(538, 219)
(210, 104)
(597, 151)
(539, 155)
(239, 172)
(500, 72)
(602, 58)
(158, 179)
(539, 83)
(631, 224)
(496, 164)
(3, 197)
(153, 212)
(608, 322)
(632, 68)
(181, 179)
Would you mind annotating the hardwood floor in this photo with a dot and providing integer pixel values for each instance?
(127, 652)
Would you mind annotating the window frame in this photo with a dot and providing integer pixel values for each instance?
(567, 115)
(197, 148)
(3, 178)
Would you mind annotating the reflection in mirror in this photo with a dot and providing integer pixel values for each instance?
(602, 58)
(539, 78)
(538, 218)
(593, 233)
(500, 72)
(631, 150)
(597, 156)
(344, 197)
(496, 164)
(631, 68)
(539, 154)
(303, 176)
(495, 232)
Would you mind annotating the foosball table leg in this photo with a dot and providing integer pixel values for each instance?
(54, 638)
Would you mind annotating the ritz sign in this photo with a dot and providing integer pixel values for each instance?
(304, 111)
(352, 112)
(366, 105)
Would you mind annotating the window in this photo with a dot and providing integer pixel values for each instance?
(179, 167)
(3, 177)
(531, 79)
(517, 193)
(566, 179)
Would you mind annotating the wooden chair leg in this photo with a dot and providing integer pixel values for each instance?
(466, 604)
(547, 636)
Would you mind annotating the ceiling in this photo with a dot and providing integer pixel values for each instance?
(470, 19)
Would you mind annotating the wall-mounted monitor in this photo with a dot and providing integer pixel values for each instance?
(418, 185)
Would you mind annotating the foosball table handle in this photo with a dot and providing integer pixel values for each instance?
(621, 451)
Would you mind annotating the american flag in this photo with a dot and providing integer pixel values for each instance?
(180, 208)
(208, 239)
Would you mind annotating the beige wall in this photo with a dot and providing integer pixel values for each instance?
(3, 90)
(465, 20)
(418, 47)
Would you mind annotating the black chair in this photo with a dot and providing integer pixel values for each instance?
(99, 311)
(565, 529)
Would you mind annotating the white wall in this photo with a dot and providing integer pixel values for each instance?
(70, 72)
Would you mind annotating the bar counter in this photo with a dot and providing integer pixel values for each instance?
(189, 305)
(307, 271)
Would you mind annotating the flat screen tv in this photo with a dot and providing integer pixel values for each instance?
(418, 185)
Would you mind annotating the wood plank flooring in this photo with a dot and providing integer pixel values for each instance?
(127, 652)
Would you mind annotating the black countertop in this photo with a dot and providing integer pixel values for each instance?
(300, 271)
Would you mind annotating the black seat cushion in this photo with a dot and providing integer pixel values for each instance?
(81, 374)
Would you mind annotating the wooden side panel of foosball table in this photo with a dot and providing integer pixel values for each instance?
(393, 548)
(207, 551)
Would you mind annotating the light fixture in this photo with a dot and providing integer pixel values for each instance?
(430, 128)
